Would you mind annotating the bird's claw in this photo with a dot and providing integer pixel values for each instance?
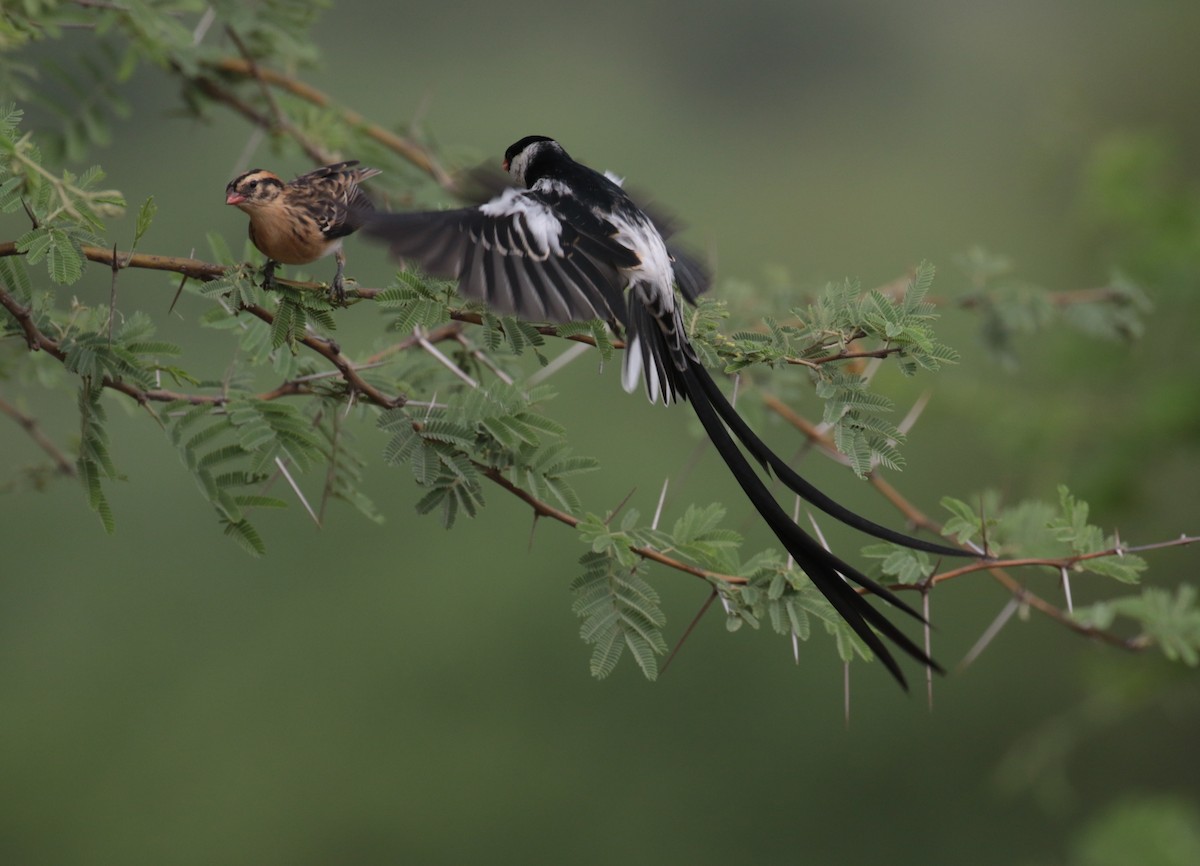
(337, 291)
(268, 282)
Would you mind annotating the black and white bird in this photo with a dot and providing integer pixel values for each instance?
(568, 244)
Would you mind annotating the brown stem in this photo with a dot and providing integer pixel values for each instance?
(543, 509)
(398, 144)
(29, 424)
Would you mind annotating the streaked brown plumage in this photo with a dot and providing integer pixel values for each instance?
(299, 222)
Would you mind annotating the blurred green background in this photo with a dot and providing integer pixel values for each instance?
(375, 694)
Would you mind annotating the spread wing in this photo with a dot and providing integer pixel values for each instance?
(692, 275)
(535, 253)
(331, 197)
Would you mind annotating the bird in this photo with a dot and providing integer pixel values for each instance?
(565, 242)
(298, 222)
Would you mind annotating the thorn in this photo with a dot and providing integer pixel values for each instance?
(918, 408)
(532, 529)
(482, 357)
(29, 212)
(182, 282)
(989, 634)
(205, 22)
(563, 358)
(820, 535)
(620, 505)
(737, 386)
(796, 647)
(791, 560)
(662, 497)
(442, 359)
(687, 631)
(296, 489)
(928, 643)
(1066, 584)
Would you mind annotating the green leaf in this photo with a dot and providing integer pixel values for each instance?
(89, 475)
(244, 533)
(1173, 623)
(144, 218)
(64, 260)
(619, 611)
(902, 563)
(966, 523)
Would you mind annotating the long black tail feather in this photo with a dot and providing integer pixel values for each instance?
(797, 484)
(825, 569)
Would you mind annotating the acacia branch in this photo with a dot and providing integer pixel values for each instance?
(544, 509)
(204, 271)
(350, 373)
(404, 147)
(63, 464)
(329, 350)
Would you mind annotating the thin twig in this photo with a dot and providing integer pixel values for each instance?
(398, 144)
(63, 464)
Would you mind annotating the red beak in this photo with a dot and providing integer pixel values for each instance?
(234, 198)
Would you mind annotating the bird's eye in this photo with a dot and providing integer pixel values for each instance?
(252, 184)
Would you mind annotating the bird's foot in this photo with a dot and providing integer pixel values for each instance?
(268, 282)
(337, 291)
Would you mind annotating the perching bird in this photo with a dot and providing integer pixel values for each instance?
(569, 244)
(299, 222)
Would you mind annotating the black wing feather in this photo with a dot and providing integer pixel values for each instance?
(498, 258)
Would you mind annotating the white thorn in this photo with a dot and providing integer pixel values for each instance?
(484, 359)
(560, 361)
(918, 408)
(662, 497)
(795, 519)
(928, 646)
(442, 359)
(990, 632)
(296, 489)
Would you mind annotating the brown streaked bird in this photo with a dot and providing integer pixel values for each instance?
(299, 222)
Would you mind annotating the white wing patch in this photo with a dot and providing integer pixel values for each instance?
(544, 228)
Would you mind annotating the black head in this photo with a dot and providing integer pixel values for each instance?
(526, 159)
(253, 188)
